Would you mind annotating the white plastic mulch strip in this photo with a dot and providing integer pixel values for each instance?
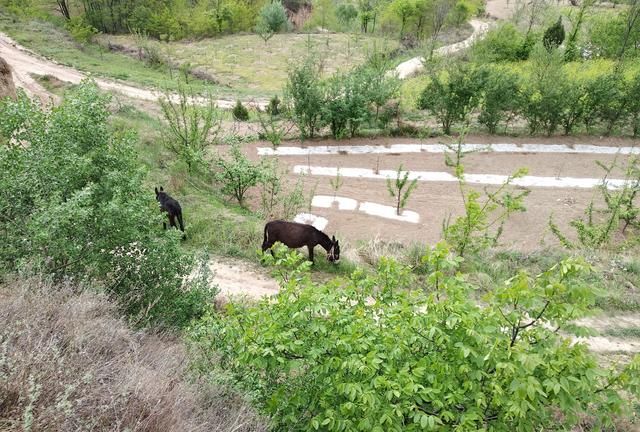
(441, 148)
(327, 201)
(310, 219)
(436, 176)
(372, 209)
(389, 212)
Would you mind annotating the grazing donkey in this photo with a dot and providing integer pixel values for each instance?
(295, 235)
(173, 209)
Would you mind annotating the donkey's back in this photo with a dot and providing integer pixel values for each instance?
(291, 234)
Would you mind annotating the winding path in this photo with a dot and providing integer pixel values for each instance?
(25, 63)
(416, 64)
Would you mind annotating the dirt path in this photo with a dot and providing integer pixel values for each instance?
(26, 63)
(238, 279)
(411, 67)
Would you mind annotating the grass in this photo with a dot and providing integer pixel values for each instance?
(213, 223)
(53, 42)
(69, 363)
(623, 332)
(247, 64)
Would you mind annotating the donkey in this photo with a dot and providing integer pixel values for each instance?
(173, 209)
(295, 235)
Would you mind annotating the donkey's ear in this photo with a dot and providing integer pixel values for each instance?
(161, 190)
(156, 191)
(333, 239)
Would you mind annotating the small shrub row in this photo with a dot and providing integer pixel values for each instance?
(344, 102)
(547, 98)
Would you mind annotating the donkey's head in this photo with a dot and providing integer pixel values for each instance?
(334, 253)
(161, 195)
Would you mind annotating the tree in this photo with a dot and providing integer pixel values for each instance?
(391, 351)
(271, 20)
(439, 15)
(346, 13)
(304, 93)
(63, 8)
(190, 127)
(397, 189)
(403, 9)
(452, 95)
(554, 36)
(75, 204)
(631, 27)
(237, 174)
(570, 53)
(498, 102)
(542, 97)
(482, 223)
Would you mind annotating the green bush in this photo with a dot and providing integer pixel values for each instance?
(504, 43)
(80, 30)
(75, 204)
(499, 98)
(271, 20)
(554, 35)
(451, 97)
(240, 112)
(305, 95)
(237, 173)
(543, 94)
(386, 352)
(274, 106)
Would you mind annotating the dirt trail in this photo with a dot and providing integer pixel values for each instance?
(237, 279)
(411, 67)
(26, 63)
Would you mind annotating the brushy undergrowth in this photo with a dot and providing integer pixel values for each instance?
(69, 363)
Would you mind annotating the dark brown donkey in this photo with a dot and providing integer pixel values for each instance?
(296, 235)
(173, 209)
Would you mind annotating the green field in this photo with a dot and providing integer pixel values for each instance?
(247, 64)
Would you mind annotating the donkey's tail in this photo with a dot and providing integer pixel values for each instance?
(265, 244)
(179, 216)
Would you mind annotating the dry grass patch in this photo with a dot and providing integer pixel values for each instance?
(68, 363)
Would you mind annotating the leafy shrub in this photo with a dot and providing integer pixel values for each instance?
(190, 129)
(554, 35)
(271, 19)
(482, 223)
(503, 43)
(237, 174)
(543, 93)
(74, 204)
(79, 29)
(606, 98)
(401, 188)
(573, 108)
(274, 106)
(304, 93)
(450, 97)
(349, 96)
(368, 354)
(499, 98)
(240, 112)
(346, 13)
(599, 225)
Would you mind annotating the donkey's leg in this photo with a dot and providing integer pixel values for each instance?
(172, 221)
(310, 253)
(184, 236)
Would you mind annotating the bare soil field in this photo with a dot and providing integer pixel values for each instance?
(437, 201)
